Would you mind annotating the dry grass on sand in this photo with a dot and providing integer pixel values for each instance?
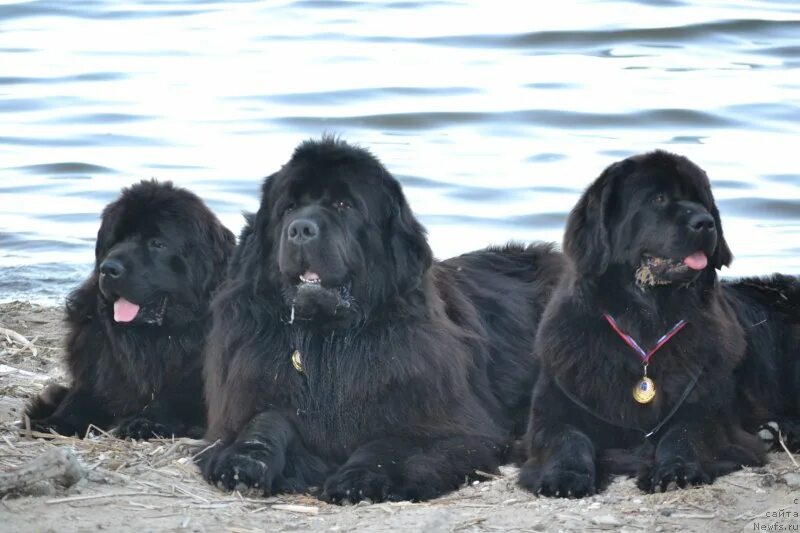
(103, 483)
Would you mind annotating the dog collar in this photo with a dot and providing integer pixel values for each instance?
(645, 389)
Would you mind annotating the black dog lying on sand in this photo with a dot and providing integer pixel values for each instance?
(642, 347)
(343, 357)
(768, 382)
(137, 324)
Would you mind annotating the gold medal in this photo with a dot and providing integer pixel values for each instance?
(296, 362)
(644, 391)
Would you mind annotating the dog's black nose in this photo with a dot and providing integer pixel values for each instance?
(112, 268)
(701, 222)
(303, 230)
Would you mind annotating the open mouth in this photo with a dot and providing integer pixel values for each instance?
(311, 300)
(663, 271)
(126, 311)
(310, 278)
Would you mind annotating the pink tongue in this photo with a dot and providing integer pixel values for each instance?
(696, 261)
(311, 276)
(125, 311)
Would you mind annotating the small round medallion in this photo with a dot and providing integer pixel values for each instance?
(296, 362)
(644, 391)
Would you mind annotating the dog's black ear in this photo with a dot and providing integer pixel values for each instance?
(586, 237)
(722, 255)
(409, 243)
(255, 240)
(81, 303)
(107, 234)
(260, 221)
(222, 242)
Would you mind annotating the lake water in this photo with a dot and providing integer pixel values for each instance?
(495, 115)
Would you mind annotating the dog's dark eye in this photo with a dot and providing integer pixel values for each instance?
(660, 199)
(341, 204)
(155, 243)
(289, 207)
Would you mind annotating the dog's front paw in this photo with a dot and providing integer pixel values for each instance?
(672, 474)
(354, 484)
(141, 428)
(238, 467)
(57, 425)
(560, 481)
(776, 434)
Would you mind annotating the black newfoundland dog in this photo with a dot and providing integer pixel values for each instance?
(768, 382)
(136, 326)
(342, 357)
(642, 348)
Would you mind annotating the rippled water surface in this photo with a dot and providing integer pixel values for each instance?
(494, 115)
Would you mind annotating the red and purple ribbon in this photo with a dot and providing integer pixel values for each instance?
(645, 356)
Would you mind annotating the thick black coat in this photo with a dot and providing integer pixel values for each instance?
(413, 372)
(768, 382)
(160, 247)
(631, 240)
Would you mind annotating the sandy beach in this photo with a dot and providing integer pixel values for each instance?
(147, 486)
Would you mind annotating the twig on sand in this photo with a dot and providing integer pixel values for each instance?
(92, 428)
(204, 450)
(8, 370)
(786, 449)
(33, 434)
(13, 336)
(111, 495)
(470, 523)
(487, 475)
(305, 509)
(731, 483)
(190, 494)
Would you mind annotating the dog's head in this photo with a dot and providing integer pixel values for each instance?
(159, 253)
(336, 236)
(653, 213)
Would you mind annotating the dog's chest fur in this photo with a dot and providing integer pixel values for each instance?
(352, 388)
(591, 361)
(136, 364)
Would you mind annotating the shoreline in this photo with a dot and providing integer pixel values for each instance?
(127, 485)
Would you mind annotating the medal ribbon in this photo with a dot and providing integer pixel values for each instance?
(645, 356)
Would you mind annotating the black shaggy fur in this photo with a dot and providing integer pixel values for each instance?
(656, 205)
(768, 383)
(414, 372)
(160, 247)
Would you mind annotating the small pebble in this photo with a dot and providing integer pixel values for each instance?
(606, 520)
(792, 479)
